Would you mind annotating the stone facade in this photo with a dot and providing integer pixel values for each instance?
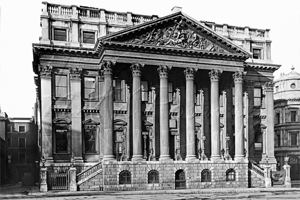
(168, 94)
(287, 121)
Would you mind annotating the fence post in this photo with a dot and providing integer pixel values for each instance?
(267, 175)
(43, 176)
(287, 179)
(72, 176)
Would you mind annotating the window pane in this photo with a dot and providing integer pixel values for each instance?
(144, 89)
(22, 143)
(90, 88)
(294, 139)
(257, 101)
(61, 136)
(293, 116)
(21, 129)
(90, 139)
(60, 80)
(88, 37)
(117, 90)
(257, 92)
(61, 86)
(60, 34)
(61, 92)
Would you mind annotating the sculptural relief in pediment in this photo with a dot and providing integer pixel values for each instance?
(178, 35)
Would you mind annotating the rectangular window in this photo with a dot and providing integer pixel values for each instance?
(22, 129)
(60, 34)
(22, 158)
(90, 138)
(170, 92)
(119, 91)
(294, 139)
(61, 138)
(90, 88)
(10, 128)
(22, 142)
(257, 97)
(88, 37)
(144, 90)
(277, 140)
(277, 118)
(8, 142)
(257, 53)
(293, 116)
(61, 86)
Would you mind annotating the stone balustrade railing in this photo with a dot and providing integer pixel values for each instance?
(92, 13)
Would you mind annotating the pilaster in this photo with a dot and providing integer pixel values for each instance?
(46, 111)
(75, 80)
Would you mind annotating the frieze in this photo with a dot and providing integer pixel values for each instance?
(148, 113)
(45, 71)
(61, 110)
(120, 111)
(259, 116)
(75, 73)
(178, 35)
(197, 114)
(173, 113)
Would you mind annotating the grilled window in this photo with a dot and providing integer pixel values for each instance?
(205, 176)
(257, 96)
(125, 177)
(90, 88)
(90, 138)
(61, 138)
(230, 175)
(61, 86)
(21, 129)
(153, 176)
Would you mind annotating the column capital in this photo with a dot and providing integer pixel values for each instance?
(238, 77)
(107, 67)
(136, 69)
(45, 71)
(189, 73)
(214, 74)
(163, 71)
(75, 73)
(269, 86)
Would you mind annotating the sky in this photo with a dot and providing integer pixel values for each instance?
(20, 27)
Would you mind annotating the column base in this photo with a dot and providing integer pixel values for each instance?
(164, 157)
(108, 157)
(136, 158)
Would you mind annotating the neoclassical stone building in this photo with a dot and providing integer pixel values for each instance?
(141, 102)
(287, 121)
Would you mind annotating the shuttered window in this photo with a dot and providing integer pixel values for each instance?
(88, 37)
(60, 34)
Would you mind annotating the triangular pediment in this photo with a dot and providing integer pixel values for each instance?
(177, 31)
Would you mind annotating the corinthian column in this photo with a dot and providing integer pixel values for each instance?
(164, 113)
(137, 112)
(108, 143)
(215, 114)
(75, 79)
(238, 116)
(190, 114)
(268, 87)
(46, 111)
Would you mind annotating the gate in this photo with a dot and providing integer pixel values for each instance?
(180, 180)
(58, 181)
(294, 162)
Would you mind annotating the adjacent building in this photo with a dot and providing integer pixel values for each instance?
(3, 150)
(287, 121)
(148, 102)
(22, 151)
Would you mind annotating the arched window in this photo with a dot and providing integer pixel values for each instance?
(153, 176)
(205, 176)
(125, 177)
(230, 175)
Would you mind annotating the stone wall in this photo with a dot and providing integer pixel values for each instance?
(139, 175)
(255, 180)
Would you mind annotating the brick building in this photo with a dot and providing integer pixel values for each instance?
(141, 102)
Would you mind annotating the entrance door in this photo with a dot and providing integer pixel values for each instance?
(294, 162)
(180, 180)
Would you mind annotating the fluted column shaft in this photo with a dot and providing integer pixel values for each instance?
(215, 114)
(108, 111)
(137, 112)
(238, 116)
(164, 113)
(190, 114)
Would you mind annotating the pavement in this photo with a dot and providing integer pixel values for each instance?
(18, 191)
